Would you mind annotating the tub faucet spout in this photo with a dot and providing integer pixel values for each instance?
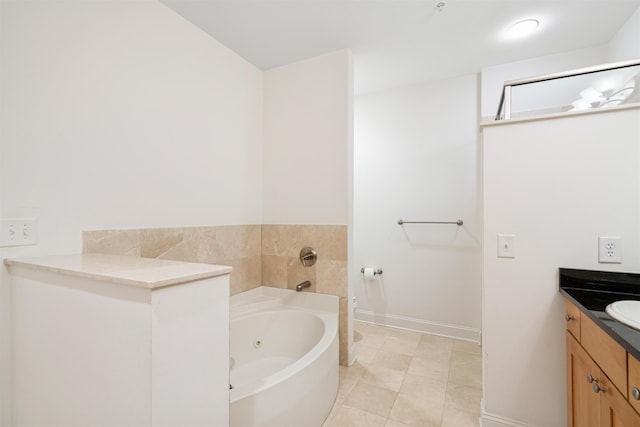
(303, 285)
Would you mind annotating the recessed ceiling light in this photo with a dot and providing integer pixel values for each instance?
(523, 28)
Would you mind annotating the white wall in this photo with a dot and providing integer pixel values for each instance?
(416, 158)
(308, 147)
(556, 185)
(522, 333)
(94, 353)
(116, 115)
(124, 115)
(626, 43)
(5, 290)
(307, 135)
(109, 107)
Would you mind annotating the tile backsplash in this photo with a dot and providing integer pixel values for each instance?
(236, 245)
(260, 254)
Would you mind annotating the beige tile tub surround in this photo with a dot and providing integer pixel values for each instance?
(281, 266)
(259, 254)
(237, 246)
(281, 245)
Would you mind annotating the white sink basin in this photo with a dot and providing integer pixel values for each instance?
(627, 312)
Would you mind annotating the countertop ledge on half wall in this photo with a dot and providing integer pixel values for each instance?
(123, 270)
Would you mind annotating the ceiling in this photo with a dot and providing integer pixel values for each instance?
(402, 42)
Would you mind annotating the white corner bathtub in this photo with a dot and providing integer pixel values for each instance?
(284, 358)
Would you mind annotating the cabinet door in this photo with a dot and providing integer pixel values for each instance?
(634, 382)
(583, 403)
(614, 409)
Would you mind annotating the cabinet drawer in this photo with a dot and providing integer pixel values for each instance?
(634, 382)
(607, 353)
(573, 320)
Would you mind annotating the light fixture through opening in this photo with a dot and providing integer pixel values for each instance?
(523, 28)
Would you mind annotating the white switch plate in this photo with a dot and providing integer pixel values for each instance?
(18, 232)
(610, 250)
(506, 246)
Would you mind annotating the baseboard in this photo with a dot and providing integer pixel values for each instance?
(486, 422)
(492, 420)
(352, 356)
(419, 325)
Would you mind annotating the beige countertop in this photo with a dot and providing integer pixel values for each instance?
(124, 270)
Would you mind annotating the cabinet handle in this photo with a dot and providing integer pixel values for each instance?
(568, 317)
(598, 388)
(635, 393)
(590, 379)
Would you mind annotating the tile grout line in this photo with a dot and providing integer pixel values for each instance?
(446, 389)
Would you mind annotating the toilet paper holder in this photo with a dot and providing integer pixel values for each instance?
(376, 272)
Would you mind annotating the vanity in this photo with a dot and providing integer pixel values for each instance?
(603, 354)
(106, 340)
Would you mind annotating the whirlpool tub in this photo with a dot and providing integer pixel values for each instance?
(284, 358)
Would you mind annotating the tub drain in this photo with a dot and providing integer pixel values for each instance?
(257, 343)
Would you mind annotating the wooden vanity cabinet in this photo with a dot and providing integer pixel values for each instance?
(593, 399)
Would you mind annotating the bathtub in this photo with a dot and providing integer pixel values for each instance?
(284, 358)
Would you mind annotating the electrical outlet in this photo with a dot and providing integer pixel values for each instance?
(610, 250)
(18, 232)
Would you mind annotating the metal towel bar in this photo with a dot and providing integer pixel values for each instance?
(458, 222)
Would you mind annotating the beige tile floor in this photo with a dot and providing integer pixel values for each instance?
(404, 378)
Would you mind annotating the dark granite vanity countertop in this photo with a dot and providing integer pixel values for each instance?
(591, 291)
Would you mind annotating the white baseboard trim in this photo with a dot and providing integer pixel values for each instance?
(486, 422)
(419, 325)
(492, 420)
(487, 419)
(352, 356)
